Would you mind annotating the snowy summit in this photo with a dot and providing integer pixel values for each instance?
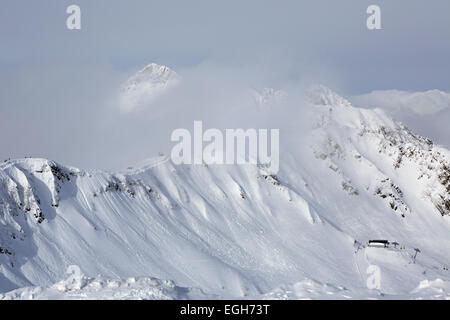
(146, 86)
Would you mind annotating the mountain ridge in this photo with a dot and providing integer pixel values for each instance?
(237, 231)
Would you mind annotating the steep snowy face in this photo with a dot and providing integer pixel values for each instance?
(427, 113)
(237, 231)
(372, 140)
(146, 86)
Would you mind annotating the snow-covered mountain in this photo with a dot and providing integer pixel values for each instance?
(420, 103)
(237, 231)
(425, 112)
(146, 86)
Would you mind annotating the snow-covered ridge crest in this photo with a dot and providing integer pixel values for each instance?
(401, 147)
(426, 112)
(396, 101)
(321, 95)
(146, 86)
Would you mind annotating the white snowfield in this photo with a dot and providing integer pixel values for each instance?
(236, 231)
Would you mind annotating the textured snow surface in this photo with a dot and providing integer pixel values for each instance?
(154, 289)
(236, 231)
(308, 289)
(99, 288)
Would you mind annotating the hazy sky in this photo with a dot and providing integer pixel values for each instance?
(56, 84)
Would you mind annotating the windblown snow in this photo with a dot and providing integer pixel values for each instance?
(166, 231)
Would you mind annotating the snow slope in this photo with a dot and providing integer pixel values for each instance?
(236, 231)
(425, 112)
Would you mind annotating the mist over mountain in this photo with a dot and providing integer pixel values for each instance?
(347, 175)
(426, 112)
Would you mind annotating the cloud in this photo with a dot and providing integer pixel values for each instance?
(50, 110)
(58, 88)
